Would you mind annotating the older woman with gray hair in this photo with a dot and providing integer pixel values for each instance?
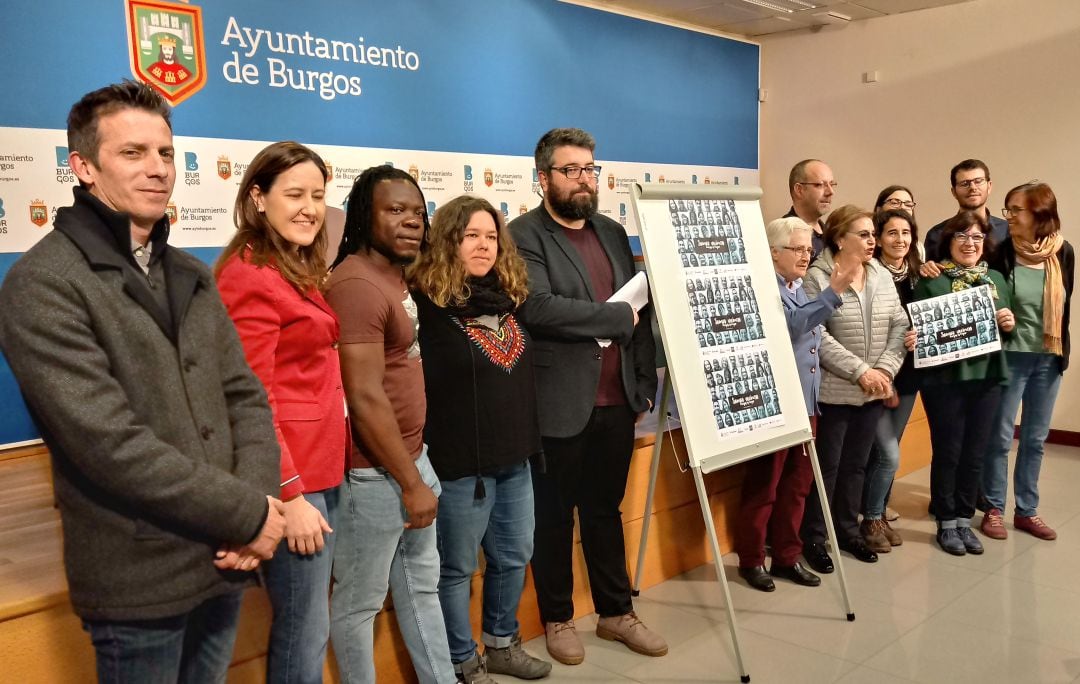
(775, 486)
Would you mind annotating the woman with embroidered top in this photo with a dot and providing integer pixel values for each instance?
(962, 397)
(897, 236)
(775, 486)
(862, 348)
(1037, 263)
(269, 276)
(482, 428)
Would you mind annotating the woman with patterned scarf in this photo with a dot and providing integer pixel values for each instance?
(1037, 264)
(962, 397)
(482, 428)
(897, 238)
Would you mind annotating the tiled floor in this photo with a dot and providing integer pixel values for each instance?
(1010, 615)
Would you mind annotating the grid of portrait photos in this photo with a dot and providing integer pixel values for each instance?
(727, 322)
(707, 232)
(743, 391)
(954, 326)
(724, 309)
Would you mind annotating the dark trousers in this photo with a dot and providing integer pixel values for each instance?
(844, 437)
(962, 421)
(587, 471)
(774, 493)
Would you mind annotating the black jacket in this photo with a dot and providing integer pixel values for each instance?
(564, 320)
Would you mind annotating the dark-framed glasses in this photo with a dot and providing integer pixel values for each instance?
(573, 172)
(1009, 212)
(896, 203)
(977, 182)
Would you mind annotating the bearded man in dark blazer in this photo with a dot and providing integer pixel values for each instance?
(589, 395)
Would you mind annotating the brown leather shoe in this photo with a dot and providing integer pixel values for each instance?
(563, 642)
(632, 631)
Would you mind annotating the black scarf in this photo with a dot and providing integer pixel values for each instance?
(486, 297)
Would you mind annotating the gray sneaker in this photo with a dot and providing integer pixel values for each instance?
(473, 671)
(514, 661)
(971, 542)
(948, 538)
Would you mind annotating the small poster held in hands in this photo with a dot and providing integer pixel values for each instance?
(954, 326)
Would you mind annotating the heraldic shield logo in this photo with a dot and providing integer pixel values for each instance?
(166, 46)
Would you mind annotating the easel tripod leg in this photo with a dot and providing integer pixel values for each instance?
(718, 562)
(661, 430)
(826, 512)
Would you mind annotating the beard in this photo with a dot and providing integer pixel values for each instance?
(573, 206)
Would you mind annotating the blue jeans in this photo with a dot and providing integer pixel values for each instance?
(375, 549)
(299, 589)
(502, 524)
(1034, 379)
(885, 457)
(194, 647)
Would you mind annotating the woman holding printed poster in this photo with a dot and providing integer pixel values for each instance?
(962, 397)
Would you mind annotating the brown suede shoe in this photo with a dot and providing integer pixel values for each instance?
(892, 535)
(632, 631)
(563, 642)
(873, 533)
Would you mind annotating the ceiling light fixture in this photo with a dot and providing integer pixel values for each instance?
(807, 5)
(768, 5)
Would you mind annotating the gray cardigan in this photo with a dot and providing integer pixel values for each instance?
(850, 347)
(160, 435)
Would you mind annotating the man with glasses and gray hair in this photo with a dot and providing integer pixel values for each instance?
(812, 188)
(588, 396)
(970, 186)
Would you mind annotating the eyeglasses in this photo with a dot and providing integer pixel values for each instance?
(973, 239)
(801, 251)
(819, 184)
(897, 202)
(574, 172)
(1009, 212)
(864, 235)
(977, 182)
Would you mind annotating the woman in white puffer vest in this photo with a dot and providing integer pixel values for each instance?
(861, 351)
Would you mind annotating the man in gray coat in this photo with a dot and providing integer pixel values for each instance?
(163, 449)
(588, 395)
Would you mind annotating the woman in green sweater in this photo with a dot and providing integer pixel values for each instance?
(962, 397)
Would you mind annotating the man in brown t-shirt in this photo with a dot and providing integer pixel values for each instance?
(390, 495)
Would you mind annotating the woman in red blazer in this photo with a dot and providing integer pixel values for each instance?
(269, 276)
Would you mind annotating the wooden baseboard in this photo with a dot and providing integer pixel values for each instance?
(1064, 438)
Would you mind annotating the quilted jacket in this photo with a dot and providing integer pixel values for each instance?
(850, 346)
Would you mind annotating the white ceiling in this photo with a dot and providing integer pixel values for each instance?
(760, 17)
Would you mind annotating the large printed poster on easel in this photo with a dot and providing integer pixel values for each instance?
(729, 354)
(722, 322)
(727, 319)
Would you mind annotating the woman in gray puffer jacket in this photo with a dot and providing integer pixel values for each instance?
(862, 348)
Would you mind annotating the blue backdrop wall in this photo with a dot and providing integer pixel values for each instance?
(483, 78)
